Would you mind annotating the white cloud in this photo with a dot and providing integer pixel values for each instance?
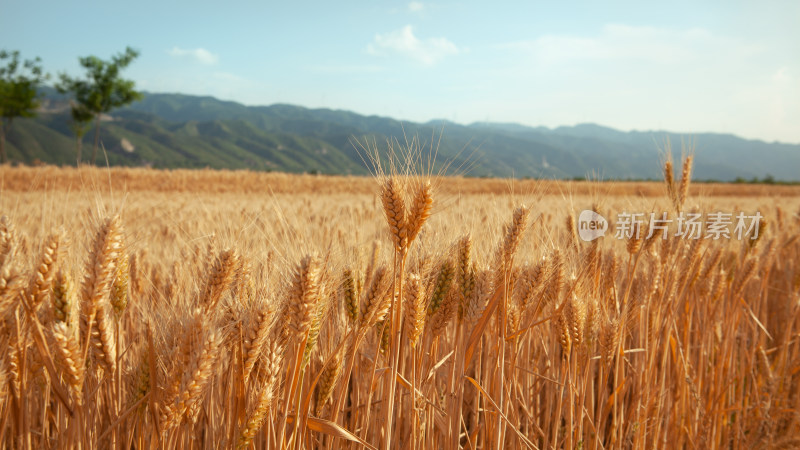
(624, 42)
(404, 42)
(347, 69)
(227, 76)
(782, 75)
(202, 55)
(646, 77)
(416, 6)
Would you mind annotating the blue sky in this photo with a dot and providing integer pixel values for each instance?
(731, 67)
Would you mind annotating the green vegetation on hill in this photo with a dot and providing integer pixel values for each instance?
(173, 130)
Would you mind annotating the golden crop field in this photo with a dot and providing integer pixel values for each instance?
(216, 309)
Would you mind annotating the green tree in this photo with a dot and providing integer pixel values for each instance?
(101, 91)
(18, 89)
(81, 117)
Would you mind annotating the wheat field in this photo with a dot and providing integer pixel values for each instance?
(214, 309)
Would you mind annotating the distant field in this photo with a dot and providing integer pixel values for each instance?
(216, 309)
(185, 180)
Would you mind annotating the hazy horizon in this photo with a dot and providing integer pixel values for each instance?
(684, 68)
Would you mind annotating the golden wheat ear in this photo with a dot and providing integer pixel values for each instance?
(119, 290)
(686, 178)
(556, 278)
(669, 180)
(102, 262)
(416, 308)
(445, 313)
(317, 317)
(303, 295)
(376, 298)
(349, 295)
(394, 208)
(328, 379)
(482, 289)
(420, 210)
(11, 284)
(635, 241)
(39, 286)
(220, 276)
(98, 279)
(6, 241)
(444, 279)
(255, 339)
(510, 243)
(69, 358)
(271, 375)
(62, 298)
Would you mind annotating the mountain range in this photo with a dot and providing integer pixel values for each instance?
(176, 130)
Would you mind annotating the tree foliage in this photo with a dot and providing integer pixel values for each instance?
(101, 91)
(19, 81)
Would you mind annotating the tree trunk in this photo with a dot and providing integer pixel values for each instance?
(96, 138)
(4, 127)
(78, 147)
(3, 157)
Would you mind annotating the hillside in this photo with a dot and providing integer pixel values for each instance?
(174, 130)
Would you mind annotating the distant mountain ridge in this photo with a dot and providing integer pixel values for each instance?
(177, 130)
